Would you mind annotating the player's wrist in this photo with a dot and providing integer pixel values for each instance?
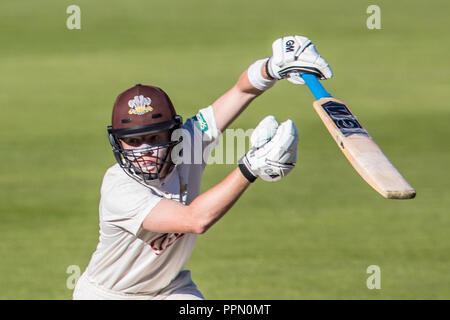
(244, 167)
(267, 72)
(258, 76)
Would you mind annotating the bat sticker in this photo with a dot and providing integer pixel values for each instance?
(343, 118)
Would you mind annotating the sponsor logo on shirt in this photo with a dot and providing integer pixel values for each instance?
(201, 122)
(164, 241)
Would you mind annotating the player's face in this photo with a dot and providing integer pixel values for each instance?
(146, 153)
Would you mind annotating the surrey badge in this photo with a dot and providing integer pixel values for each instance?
(140, 105)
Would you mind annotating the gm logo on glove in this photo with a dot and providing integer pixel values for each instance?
(289, 46)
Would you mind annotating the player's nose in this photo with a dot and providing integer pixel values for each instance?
(145, 150)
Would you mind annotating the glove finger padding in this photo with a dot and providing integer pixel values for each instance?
(277, 157)
(263, 132)
(303, 43)
(312, 62)
(281, 152)
(286, 143)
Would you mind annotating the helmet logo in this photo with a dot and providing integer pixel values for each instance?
(140, 105)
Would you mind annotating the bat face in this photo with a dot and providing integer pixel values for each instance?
(361, 150)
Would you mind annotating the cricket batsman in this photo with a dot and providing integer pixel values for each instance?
(151, 210)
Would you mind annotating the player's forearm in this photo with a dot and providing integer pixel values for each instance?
(211, 205)
(232, 103)
(244, 84)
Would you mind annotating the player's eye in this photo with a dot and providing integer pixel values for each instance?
(153, 139)
(134, 142)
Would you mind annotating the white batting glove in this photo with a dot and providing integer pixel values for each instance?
(273, 150)
(293, 55)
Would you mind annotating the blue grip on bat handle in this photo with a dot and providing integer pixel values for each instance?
(315, 86)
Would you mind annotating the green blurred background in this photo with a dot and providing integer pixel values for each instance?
(310, 236)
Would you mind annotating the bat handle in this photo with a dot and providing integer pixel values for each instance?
(315, 86)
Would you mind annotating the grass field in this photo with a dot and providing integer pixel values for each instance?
(310, 236)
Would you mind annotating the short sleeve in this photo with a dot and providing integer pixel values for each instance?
(203, 127)
(125, 203)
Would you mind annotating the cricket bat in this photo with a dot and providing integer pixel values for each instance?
(357, 145)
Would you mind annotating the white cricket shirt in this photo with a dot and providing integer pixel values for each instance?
(128, 258)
